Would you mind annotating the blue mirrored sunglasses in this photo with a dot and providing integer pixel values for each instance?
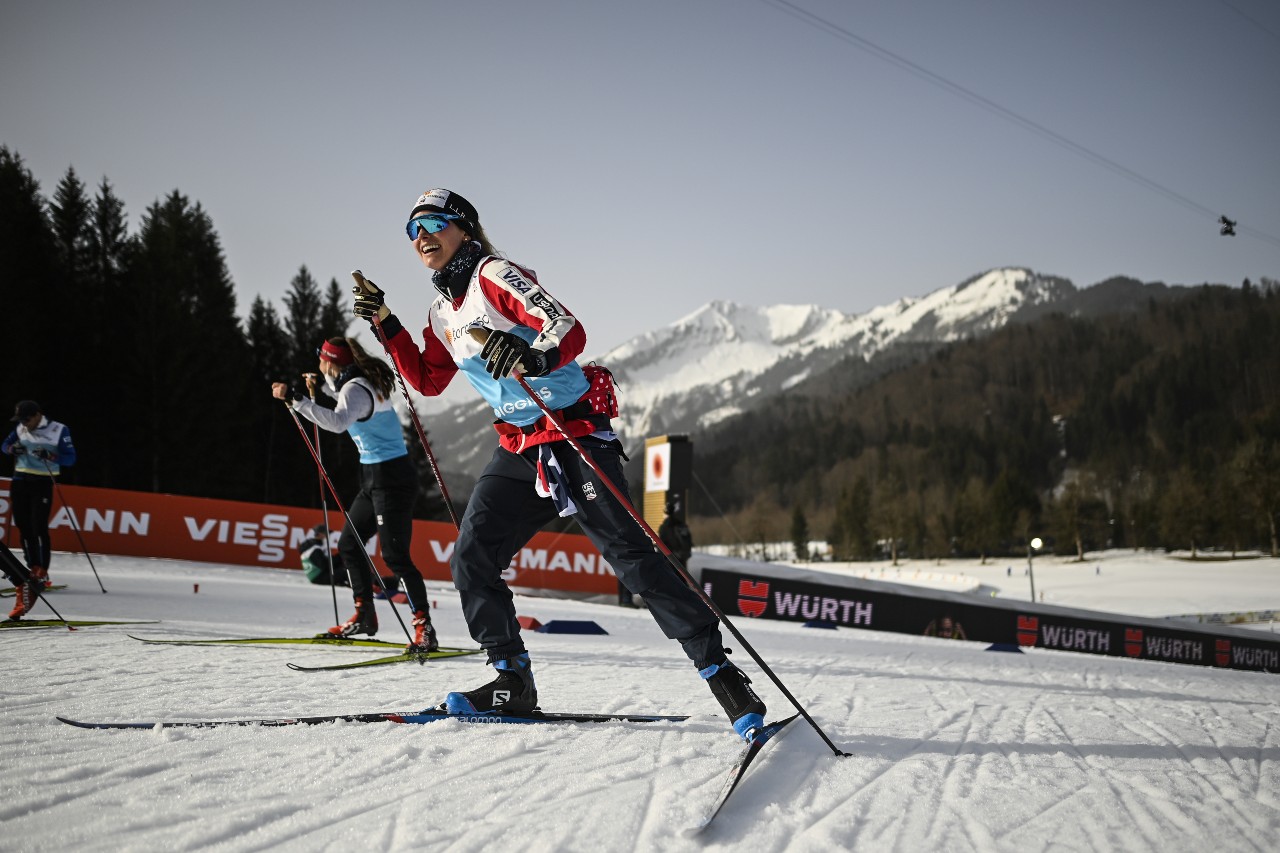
(431, 223)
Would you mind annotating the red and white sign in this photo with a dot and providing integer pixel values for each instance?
(657, 468)
(142, 524)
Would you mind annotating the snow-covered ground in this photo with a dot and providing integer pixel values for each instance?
(953, 747)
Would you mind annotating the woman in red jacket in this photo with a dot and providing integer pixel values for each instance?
(534, 475)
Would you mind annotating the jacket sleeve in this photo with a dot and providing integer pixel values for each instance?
(66, 450)
(516, 293)
(354, 402)
(429, 369)
(9, 442)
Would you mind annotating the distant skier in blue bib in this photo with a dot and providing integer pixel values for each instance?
(362, 385)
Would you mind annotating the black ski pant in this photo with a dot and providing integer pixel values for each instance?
(384, 505)
(503, 514)
(32, 502)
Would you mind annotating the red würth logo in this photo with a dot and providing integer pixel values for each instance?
(1222, 652)
(753, 597)
(1028, 630)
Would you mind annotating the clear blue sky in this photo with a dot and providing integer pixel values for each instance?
(648, 157)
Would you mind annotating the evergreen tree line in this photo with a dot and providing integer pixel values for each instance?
(1159, 428)
(133, 340)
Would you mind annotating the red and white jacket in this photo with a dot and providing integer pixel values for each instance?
(501, 296)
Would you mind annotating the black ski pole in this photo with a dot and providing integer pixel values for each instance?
(324, 508)
(413, 412)
(483, 335)
(351, 524)
(74, 526)
(61, 618)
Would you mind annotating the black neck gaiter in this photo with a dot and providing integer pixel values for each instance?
(453, 279)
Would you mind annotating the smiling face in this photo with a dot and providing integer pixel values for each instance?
(436, 250)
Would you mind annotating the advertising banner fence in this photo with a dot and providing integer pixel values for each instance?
(142, 524)
(886, 607)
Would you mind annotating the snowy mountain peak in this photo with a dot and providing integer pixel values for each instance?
(710, 364)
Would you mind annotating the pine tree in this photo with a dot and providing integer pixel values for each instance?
(90, 314)
(282, 472)
(71, 217)
(189, 384)
(800, 534)
(268, 342)
(302, 322)
(335, 315)
(108, 238)
(28, 275)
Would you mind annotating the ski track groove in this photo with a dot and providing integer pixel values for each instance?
(864, 811)
(1203, 778)
(1232, 770)
(1143, 811)
(324, 820)
(949, 773)
(1261, 760)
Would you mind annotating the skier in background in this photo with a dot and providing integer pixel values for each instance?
(317, 559)
(362, 386)
(40, 449)
(674, 533)
(534, 474)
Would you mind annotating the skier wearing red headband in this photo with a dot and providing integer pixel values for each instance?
(361, 385)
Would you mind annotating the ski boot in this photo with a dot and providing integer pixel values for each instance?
(365, 621)
(25, 595)
(512, 692)
(42, 576)
(424, 635)
(732, 688)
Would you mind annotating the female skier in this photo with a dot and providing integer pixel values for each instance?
(535, 475)
(361, 385)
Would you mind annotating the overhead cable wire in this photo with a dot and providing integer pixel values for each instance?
(1234, 8)
(991, 106)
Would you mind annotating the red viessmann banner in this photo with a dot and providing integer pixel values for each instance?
(141, 524)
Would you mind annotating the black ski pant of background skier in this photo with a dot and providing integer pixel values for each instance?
(32, 501)
(505, 511)
(384, 506)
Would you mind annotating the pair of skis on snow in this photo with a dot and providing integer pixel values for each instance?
(322, 640)
(761, 737)
(745, 758)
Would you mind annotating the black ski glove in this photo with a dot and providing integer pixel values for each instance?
(369, 299)
(503, 351)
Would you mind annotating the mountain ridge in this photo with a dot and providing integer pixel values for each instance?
(725, 359)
